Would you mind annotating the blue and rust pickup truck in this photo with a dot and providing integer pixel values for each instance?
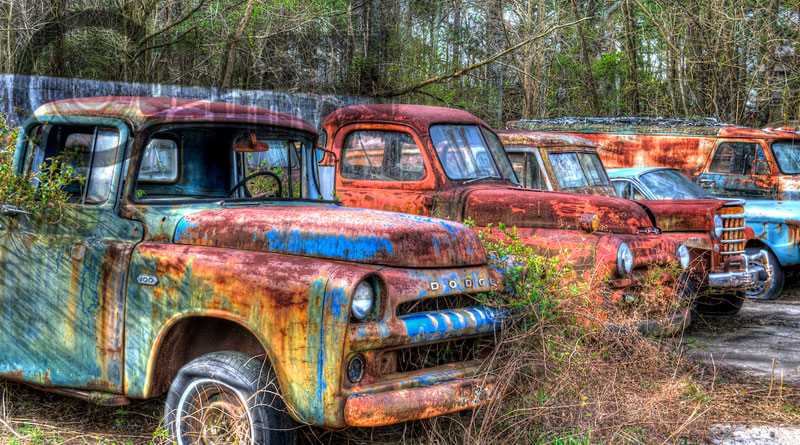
(252, 313)
(775, 226)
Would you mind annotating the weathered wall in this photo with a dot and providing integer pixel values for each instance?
(20, 95)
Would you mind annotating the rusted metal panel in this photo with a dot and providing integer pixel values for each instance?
(371, 410)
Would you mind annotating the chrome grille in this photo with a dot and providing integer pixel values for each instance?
(733, 239)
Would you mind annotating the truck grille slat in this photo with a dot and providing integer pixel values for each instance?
(733, 239)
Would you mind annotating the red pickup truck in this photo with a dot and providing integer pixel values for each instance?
(447, 163)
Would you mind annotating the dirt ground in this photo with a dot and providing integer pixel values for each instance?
(762, 340)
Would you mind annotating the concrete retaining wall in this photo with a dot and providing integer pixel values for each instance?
(20, 95)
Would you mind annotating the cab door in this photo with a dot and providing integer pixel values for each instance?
(739, 168)
(384, 167)
(62, 287)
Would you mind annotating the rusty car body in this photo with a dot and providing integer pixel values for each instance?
(554, 161)
(727, 160)
(448, 164)
(773, 223)
(163, 259)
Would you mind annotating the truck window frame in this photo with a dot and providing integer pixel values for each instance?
(428, 180)
(758, 143)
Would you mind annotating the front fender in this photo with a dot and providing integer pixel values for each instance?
(296, 307)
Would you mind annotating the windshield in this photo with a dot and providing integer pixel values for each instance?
(787, 154)
(463, 152)
(578, 170)
(671, 184)
(192, 162)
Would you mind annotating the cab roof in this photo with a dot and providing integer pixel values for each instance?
(418, 117)
(146, 110)
(530, 138)
(632, 172)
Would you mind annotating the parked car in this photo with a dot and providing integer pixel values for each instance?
(773, 223)
(725, 159)
(554, 161)
(251, 313)
(447, 163)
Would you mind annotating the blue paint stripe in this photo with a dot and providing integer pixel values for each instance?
(429, 326)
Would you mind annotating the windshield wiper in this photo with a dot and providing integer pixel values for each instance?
(481, 178)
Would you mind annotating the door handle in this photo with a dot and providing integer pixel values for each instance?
(706, 182)
(11, 210)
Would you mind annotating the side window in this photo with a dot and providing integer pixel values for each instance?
(623, 189)
(382, 155)
(85, 156)
(735, 158)
(637, 194)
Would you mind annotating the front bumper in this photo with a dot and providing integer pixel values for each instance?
(746, 276)
(387, 408)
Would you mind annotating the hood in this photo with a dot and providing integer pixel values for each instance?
(684, 215)
(336, 233)
(553, 210)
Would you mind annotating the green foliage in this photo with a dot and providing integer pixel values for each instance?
(42, 192)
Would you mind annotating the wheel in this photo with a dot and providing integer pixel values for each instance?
(719, 304)
(227, 398)
(773, 291)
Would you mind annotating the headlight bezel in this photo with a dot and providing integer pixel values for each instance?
(624, 259)
(718, 226)
(359, 311)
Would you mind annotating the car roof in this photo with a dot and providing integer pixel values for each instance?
(631, 172)
(140, 111)
(541, 139)
(419, 117)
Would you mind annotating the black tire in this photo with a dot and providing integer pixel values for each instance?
(773, 291)
(227, 397)
(719, 304)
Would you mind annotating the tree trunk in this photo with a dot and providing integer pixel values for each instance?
(495, 44)
(630, 44)
(233, 43)
(589, 81)
(58, 60)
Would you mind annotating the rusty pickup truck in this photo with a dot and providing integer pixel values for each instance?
(448, 164)
(252, 313)
(724, 270)
(727, 160)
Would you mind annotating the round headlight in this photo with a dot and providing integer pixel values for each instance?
(363, 300)
(624, 259)
(718, 226)
(682, 255)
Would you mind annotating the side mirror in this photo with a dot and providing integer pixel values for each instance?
(321, 152)
(760, 167)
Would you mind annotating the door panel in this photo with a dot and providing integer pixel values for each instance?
(62, 286)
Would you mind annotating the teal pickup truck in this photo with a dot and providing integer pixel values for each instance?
(183, 267)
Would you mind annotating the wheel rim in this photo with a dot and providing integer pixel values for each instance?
(213, 413)
(760, 290)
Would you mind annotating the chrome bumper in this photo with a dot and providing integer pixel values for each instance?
(752, 271)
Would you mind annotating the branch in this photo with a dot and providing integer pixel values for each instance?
(461, 72)
(161, 45)
(175, 23)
